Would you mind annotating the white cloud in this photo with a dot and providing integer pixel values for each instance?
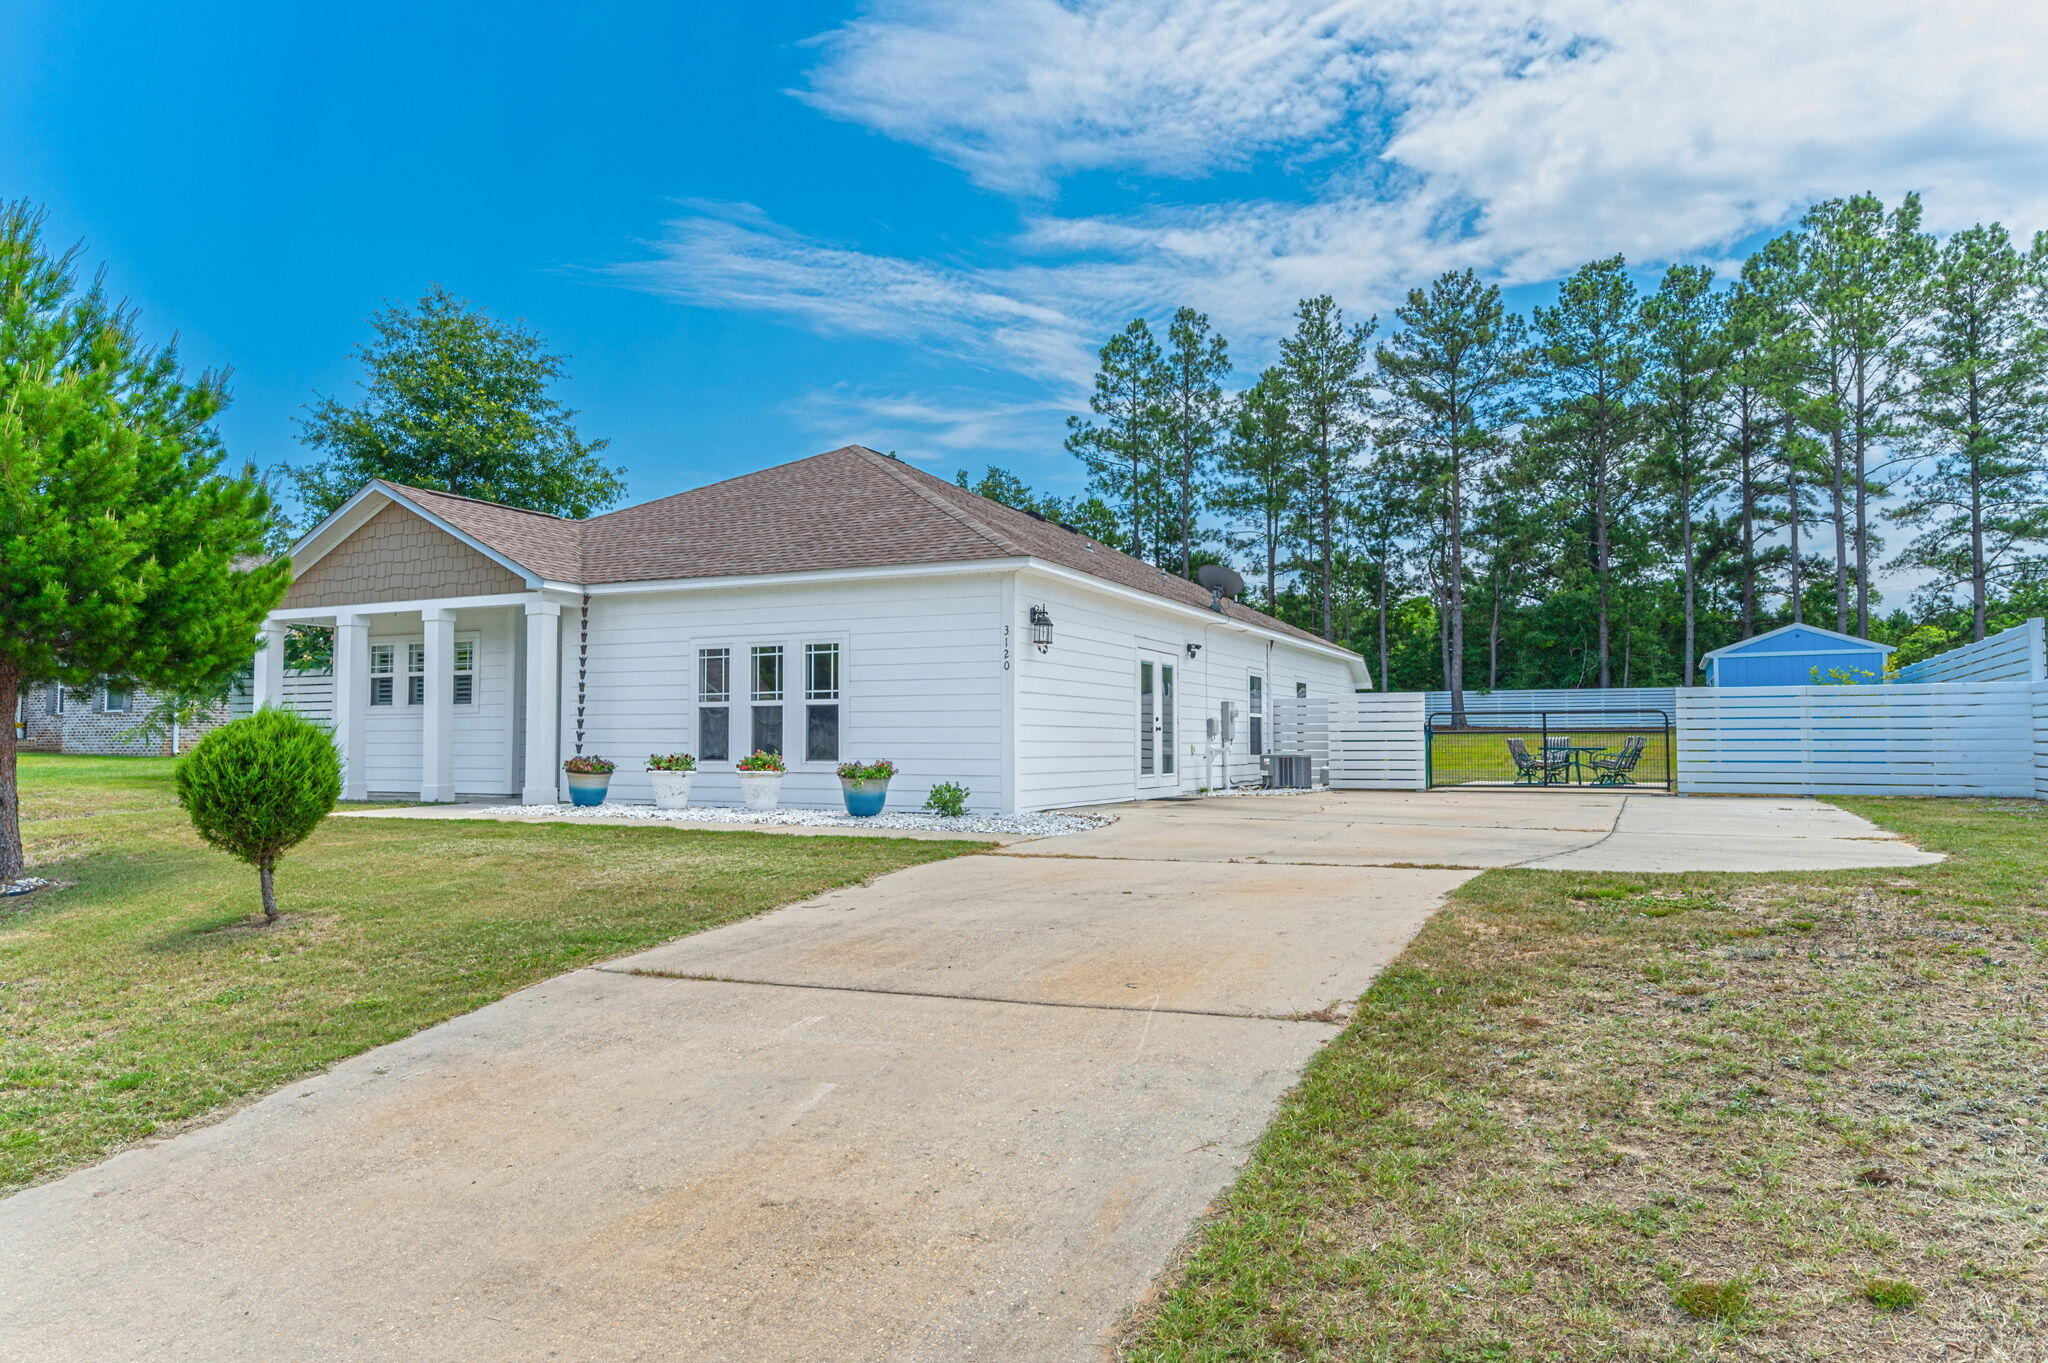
(945, 429)
(1392, 139)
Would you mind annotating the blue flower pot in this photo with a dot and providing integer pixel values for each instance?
(866, 799)
(588, 787)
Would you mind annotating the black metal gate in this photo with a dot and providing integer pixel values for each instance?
(1551, 749)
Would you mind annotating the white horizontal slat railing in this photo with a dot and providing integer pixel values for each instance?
(1378, 742)
(2016, 654)
(1901, 739)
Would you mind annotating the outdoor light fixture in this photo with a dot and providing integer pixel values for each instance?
(1193, 649)
(1041, 628)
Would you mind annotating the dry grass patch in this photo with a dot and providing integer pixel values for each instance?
(1668, 1117)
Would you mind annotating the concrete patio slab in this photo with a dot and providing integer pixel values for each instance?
(1250, 940)
(612, 1167)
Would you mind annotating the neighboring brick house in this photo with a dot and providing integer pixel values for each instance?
(100, 720)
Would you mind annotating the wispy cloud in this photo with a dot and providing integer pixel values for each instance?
(943, 429)
(1398, 138)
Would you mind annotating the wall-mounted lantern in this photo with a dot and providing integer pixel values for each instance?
(1041, 628)
(1193, 649)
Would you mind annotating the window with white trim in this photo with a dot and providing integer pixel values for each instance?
(1255, 710)
(416, 674)
(714, 704)
(465, 670)
(382, 681)
(821, 702)
(767, 697)
(57, 699)
(117, 700)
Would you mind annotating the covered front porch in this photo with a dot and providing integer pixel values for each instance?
(438, 699)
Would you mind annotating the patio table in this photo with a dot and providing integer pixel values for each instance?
(1580, 754)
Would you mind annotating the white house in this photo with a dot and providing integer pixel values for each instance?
(843, 606)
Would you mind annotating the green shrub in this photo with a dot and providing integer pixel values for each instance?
(948, 798)
(1890, 1294)
(256, 787)
(1711, 1301)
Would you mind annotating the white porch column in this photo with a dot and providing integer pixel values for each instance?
(351, 701)
(543, 703)
(268, 684)
(437, 715)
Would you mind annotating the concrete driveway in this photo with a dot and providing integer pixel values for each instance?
(965, 1112)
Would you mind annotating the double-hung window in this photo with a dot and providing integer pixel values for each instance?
(1255, 711)
(465, 671)
(767, 697)
(383, 679)
(416, 674)
(714, 704)
(821, 702)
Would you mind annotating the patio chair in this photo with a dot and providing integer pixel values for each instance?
(1614, 771)
(1536, 769)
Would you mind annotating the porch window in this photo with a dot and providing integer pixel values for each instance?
(465, 671)
(416, 674)
(382, 678)
(767, 697)
(714, 704)
(821, 702)
(1255, 710)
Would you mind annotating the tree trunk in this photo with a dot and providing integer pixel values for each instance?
(1748, 493)
(1456, 570)
(1978, 623)
(1272, 559)
(1792, 518)
(12, 861)
(1840, 491)
(1862, 509)
(265, 872)
(1685, 549)
(1383, 616)
(1493, 639)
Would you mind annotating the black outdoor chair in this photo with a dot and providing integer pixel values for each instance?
(1614, 771)
(1532, 769)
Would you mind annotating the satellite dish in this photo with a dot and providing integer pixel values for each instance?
(1220, 581)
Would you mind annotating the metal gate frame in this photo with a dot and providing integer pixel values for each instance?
(1575, 719)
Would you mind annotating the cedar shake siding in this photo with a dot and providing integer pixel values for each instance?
(396, 556)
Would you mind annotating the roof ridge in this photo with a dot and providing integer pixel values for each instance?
(903, 474)
(706, 487)
(479, 501)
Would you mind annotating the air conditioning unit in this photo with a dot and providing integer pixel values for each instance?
(1290, 771)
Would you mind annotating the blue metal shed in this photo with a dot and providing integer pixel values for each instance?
(1796, 655)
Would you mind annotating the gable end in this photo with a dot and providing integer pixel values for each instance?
(396, 555)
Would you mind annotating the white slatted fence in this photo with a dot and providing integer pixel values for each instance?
(2041, 740)
(1940, 739)
(2016, 654)
(1379, 741)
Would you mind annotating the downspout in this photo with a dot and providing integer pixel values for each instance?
(582, 665)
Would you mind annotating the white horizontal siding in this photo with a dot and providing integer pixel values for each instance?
(1077, 702)
(1942, 739)
(921, 682)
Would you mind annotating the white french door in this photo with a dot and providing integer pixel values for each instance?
(1158, 698)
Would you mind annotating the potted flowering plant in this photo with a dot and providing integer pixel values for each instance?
(589, 778)
(865, 786)
(671, 773)
(761, 778)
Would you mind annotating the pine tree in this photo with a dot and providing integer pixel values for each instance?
(1261, 470)
(1120, 446)
(1589, 364)
(1193, 415)
(455, 401)
(1451, 374)
(1685, 333)
(126, 556)
(1329, 389)
(1980, 415)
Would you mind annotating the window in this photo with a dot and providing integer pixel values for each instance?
(117, 700)
(1256, 711)
(1301, 690)
(415, 674)
(767, 696)
(465, 671)
(821, 702)
(381, 679)
(714, 704)
(57, 700)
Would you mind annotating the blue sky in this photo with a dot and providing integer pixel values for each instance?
(761, 231)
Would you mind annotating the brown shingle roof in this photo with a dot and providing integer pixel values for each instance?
(846, 508)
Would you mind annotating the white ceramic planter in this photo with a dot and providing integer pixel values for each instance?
(761, 789)
(671, 788)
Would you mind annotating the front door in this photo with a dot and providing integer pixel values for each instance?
(1157, 695)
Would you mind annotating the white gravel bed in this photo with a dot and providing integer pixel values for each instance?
(1015, 825)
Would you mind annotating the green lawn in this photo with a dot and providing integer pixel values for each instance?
(142, 996)
(1462, 757)
(1607, 1117)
